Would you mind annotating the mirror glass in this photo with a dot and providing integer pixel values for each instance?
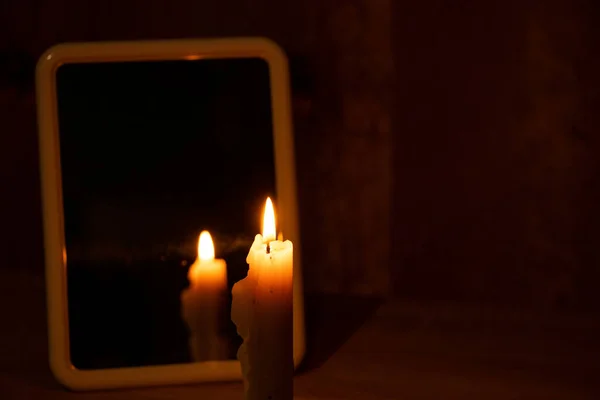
(153, 153)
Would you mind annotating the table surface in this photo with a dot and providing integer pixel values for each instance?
(358, 349)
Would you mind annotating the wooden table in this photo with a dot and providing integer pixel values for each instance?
(359, 350)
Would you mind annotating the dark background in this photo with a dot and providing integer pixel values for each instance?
(151, 154)
(446, 149)
(447, 154)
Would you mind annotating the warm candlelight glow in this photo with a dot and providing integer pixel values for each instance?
(203, 303)
(262, 310)
(206, 268)
(206, 249)
(269, 222)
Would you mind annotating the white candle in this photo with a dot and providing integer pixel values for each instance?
(203, 303)
(262, 310)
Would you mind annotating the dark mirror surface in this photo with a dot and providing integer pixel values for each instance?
(152, 153)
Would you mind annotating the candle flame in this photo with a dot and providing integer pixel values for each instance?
(269, 222)
(206, 249)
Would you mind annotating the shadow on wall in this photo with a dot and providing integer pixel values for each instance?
(330, 321)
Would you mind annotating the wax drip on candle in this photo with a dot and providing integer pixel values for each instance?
(262, 310)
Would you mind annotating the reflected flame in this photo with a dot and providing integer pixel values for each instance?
(206, 248)
(269, 222)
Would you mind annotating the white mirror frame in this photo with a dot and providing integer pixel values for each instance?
(54, 235)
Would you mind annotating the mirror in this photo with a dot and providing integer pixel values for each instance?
(139, 155)
(152, 153)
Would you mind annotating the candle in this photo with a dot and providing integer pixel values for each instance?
(262, 311)
(203, 303)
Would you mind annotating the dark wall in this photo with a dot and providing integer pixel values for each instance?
(495, 152)
(445, 149)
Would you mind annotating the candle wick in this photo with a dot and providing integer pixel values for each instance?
(268, 247)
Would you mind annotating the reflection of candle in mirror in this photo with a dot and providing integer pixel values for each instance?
(262, 310)
(204, 301)
(206, 270)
